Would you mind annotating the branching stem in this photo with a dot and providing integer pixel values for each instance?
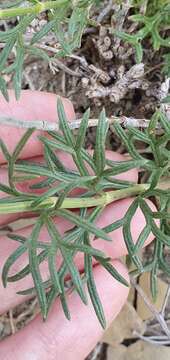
(73, 203)
(35, 9)
(13, 206)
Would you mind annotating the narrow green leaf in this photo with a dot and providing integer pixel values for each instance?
(78, 160)
(53, 270)
(63, 122)
(63, 300)
(43, 184)
(6, 52)
(47, 194)
(109, 267)
(17, 80)
(20, 28)
(22, 239)
(155, 177)
(84, 224)
(99, 150)
(160, 235)
(142, 238)
(35, 169)
(20, 145)
(26, 270)
(8, 4)
(82, 131)
(89, 250)
(75, 275)
(128, 236)
(166, 100)
(139, 52)
(44, 30)
(52, 294)
(32, 291)
(118, 167)
(3, 88)
(112, 183)
(82, 183)
(114, 226)
(6, 189)
(5, 151)
(57, 145)
(124, 36)
(139, 135)
(92, 289)
(67, 259)
(34, 266)
(164, 121)
(52, 160)
(89, 159)
(10, 261)
(56, 136)
(129, 144)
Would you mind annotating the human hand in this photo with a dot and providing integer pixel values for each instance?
(57, 337)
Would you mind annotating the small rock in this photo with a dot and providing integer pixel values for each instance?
(144, 282)
(117, 353)
(123, 327)
(138, 351)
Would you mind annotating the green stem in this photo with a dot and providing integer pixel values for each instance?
(35, 9)
(12, 206)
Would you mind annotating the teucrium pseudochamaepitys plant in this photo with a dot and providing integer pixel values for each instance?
(95, 174)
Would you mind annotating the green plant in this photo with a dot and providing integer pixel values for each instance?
(67, 19)
(151, 26)
(100, 189)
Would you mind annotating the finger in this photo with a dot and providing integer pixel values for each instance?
(58, 338)
(114, 249)
(67, 160)
(31, 106)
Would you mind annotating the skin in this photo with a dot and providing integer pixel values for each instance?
(59, 337)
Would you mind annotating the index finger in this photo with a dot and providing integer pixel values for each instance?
(33, 105)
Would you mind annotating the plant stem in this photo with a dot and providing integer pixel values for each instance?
(45, 125)
(35, 9)
(13, 206)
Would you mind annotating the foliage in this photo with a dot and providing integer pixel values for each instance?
(68, 20)
(95, 174)
(151, 26)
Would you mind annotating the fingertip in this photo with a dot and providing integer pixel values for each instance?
(32, 106)
(122, 269)
(74, 339)
(35, 105)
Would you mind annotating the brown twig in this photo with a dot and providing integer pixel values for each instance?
(11, 319)
(105, 11)
(159, 316)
